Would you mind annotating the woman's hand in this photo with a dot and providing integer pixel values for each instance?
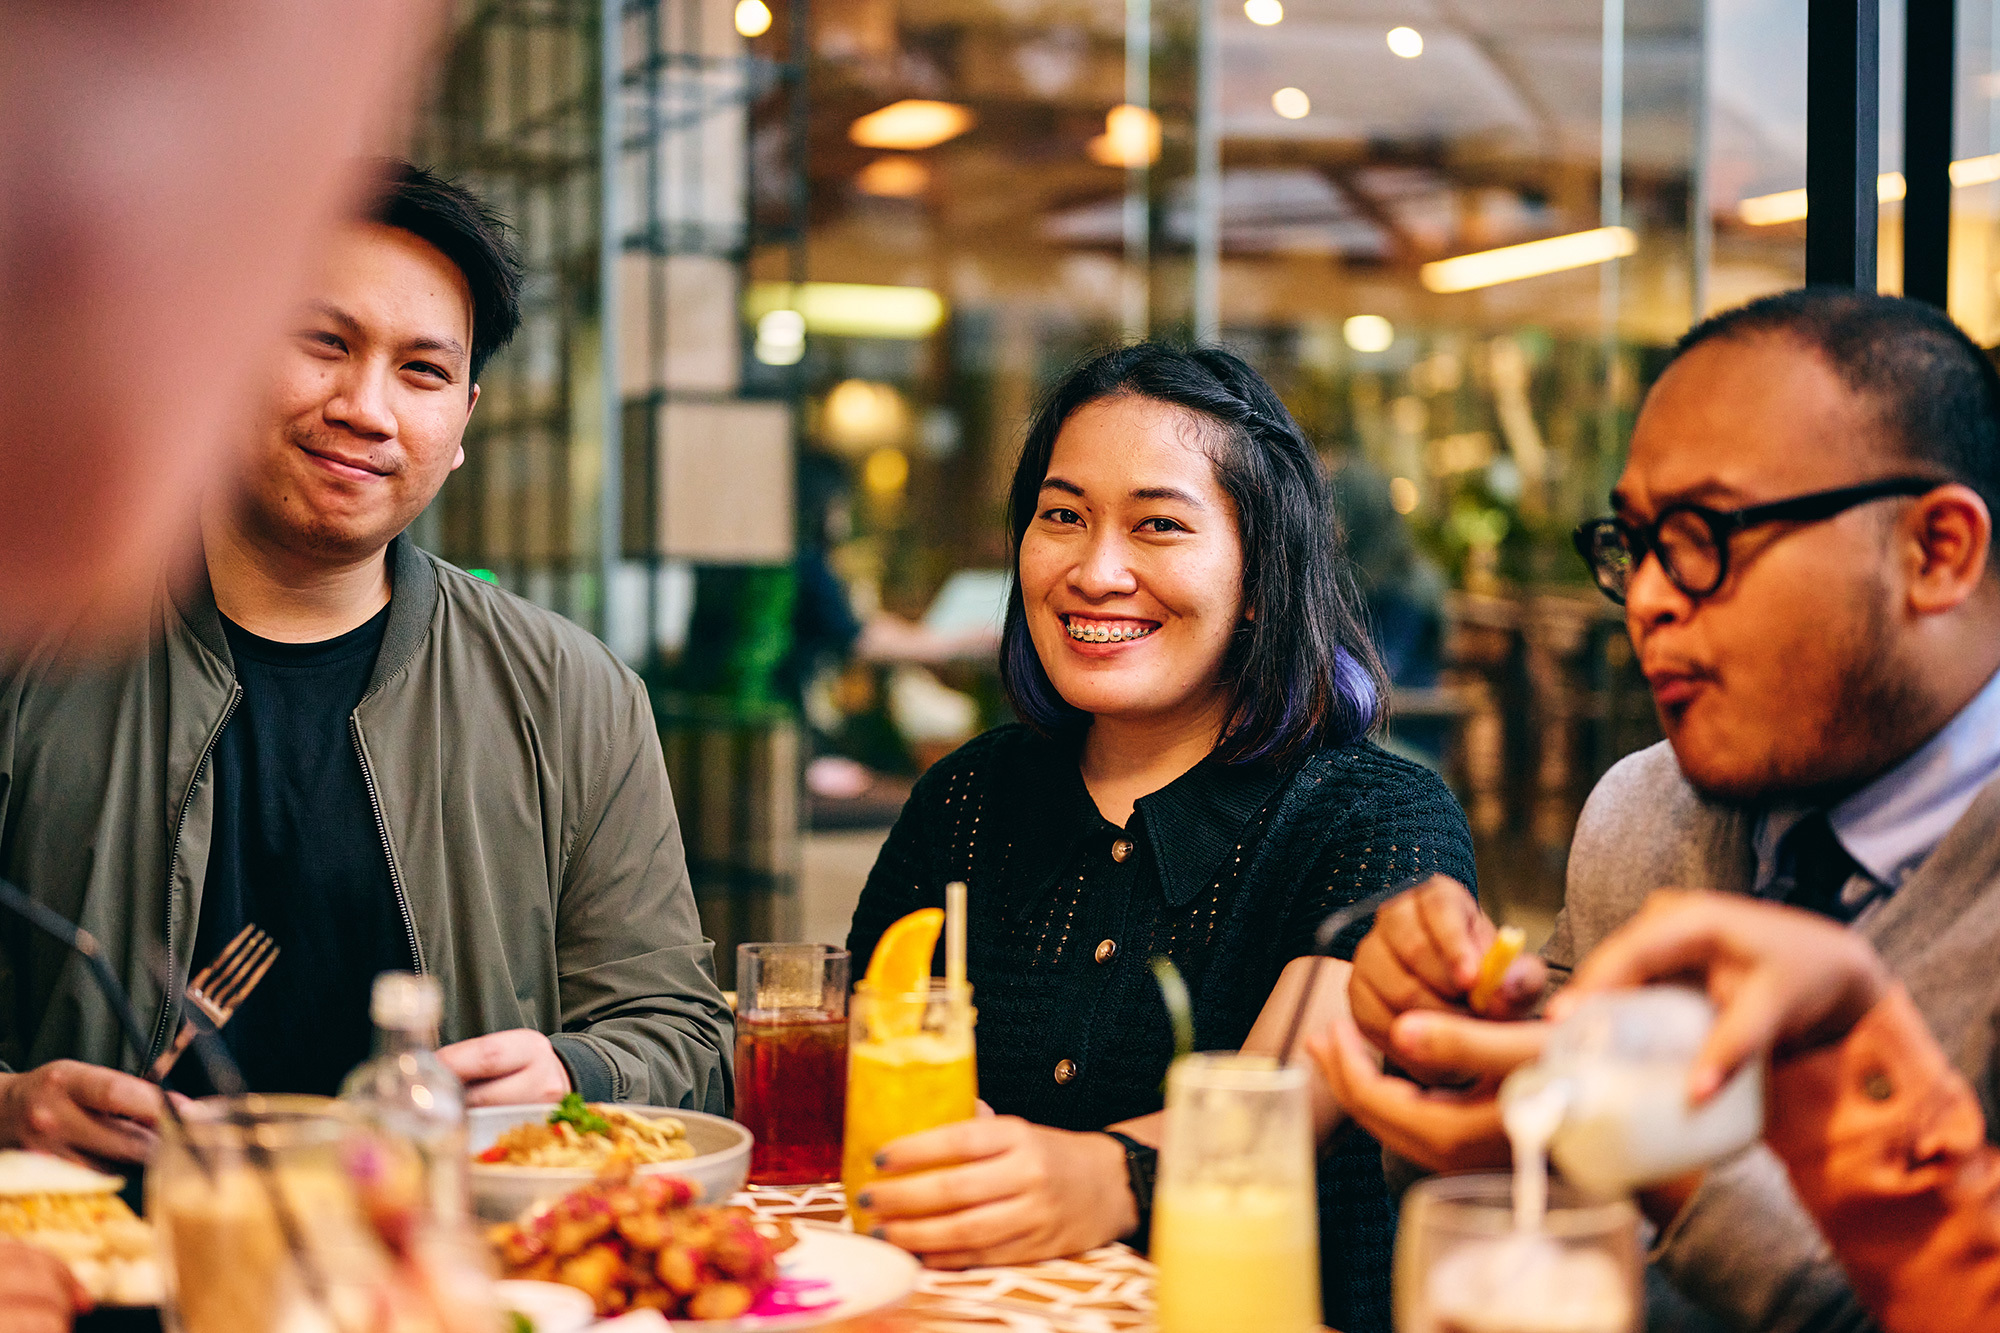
(1782, 979)
(999, 1190)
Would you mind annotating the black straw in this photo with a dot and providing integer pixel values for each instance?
(1323, 938)
(222, 1072)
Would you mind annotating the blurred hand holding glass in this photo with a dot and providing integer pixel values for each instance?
(910, 1068)
(1235, 1214)
(791, 1059)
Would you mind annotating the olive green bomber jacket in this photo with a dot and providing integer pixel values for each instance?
(519, 790)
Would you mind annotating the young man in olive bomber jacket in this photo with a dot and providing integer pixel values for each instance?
(382, 761)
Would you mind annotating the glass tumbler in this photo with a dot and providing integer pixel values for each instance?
(1462, 1266)
(910, 1067)
(227, 1264)
(791, 1059)
(1235, 1214)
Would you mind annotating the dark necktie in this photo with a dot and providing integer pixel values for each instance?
(1819, 866)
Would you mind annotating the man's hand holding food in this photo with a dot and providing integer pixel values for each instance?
(1411, 997)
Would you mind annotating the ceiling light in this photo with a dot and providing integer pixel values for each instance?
(1406, 42)
(1368, 333)
(1511, 263)
(911, 124)
(1291, 103)
(781, 338)
(850, 309)
(886, 472)
(1131, 138)
(753, 18)
(894, 178)
(1264, 13)
(1764, 210)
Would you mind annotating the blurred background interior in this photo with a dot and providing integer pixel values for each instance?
(798, 271)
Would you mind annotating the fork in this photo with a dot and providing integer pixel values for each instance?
(220, 988)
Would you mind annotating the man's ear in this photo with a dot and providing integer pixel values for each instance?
(1947, 536)
(458, 459)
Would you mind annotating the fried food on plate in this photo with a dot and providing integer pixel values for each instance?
(75, 1214)
(642, 1243)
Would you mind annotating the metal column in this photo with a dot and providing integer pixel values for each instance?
(1930, 50)
(1843, 89)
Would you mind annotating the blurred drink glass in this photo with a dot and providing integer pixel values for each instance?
(227, 1267)
(1235, 1214)
(910, 1068)
(791, 1059)
(1462, 1266)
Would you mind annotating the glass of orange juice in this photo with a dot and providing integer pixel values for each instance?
(1235, 1218)
(910, 1067)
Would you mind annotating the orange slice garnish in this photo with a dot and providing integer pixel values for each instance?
(901, 963)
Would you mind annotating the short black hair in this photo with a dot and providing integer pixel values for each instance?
(1301, 673)
(1937, 392)
(468, 233)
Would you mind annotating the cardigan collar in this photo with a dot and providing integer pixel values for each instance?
(1188, 826)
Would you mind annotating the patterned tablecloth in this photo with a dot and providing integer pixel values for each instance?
(1105, 1291)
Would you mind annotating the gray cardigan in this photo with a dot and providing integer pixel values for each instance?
(1744, 1247)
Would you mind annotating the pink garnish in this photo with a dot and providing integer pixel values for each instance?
(795, 1295)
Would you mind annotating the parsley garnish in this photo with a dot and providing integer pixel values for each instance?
(572, 1111)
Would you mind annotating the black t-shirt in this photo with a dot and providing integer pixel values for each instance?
(296, 849)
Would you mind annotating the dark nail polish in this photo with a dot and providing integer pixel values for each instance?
(879, 1233)
(866, 1200)
(881, 1160)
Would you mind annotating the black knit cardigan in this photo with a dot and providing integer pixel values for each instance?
(1228, 871)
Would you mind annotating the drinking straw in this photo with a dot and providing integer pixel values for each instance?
(954, 937)
(1329, 930)
(214, 1055)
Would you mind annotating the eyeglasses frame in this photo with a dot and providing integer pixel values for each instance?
(1723, 525)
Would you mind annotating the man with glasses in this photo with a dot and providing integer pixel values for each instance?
(1801, 541)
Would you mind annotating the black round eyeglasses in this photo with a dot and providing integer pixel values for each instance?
(1692, 541)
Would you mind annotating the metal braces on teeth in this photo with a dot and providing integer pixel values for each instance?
(1100, 634)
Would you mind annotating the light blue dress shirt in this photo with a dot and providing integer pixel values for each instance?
(1891, 825)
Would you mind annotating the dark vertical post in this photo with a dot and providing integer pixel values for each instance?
(1843, 73)
(1930, 57)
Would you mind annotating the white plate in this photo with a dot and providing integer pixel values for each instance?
(862, 1275)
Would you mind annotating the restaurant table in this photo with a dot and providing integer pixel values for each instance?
(1107, 1290)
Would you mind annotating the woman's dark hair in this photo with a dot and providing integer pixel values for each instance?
(468, 233)
(1301, 673)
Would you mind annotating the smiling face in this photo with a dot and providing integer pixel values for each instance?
(1132, 570)
(1790, 678)
(369, 403)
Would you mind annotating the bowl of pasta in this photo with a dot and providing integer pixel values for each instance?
(522, 1155)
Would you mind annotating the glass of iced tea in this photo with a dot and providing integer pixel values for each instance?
(791, 1059)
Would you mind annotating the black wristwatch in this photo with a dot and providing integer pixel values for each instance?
(1142, 1163)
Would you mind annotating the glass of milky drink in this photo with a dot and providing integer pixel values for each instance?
(1607, 1099)
(1464, 1264)
(227, 1266)
(1235, 1215)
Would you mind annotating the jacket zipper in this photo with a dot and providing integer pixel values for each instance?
(173, 864)
(382, 828)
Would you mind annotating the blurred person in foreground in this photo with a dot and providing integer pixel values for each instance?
(168, 171)
(1803, 546)
(37, 1293)
(1195, 778)
(1884, 1140)
(382, 761)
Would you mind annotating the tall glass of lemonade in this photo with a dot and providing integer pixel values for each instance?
(910, 1068)
(1235, 1219)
